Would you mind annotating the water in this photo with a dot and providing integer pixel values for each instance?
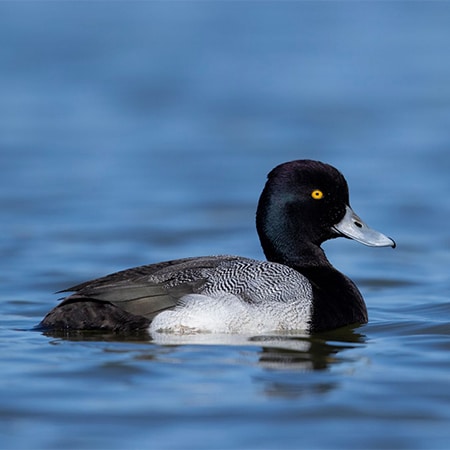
(133, 133)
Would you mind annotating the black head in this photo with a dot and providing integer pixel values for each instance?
(299, 206)
(303, 204)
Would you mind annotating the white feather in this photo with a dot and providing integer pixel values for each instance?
(227, 313)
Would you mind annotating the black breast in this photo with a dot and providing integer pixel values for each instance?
(336, 299)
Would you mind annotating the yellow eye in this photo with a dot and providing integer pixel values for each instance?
(317, 194)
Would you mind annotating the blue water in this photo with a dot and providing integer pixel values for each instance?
(134, 132)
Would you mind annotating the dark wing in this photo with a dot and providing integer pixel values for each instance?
(148, 290)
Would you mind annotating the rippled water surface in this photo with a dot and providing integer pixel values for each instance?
(132, 133)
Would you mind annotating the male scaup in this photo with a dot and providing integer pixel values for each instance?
(303, 204)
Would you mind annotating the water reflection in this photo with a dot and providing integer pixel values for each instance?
(288, 366)
(305, 353)
(291, 351)
(97, 336)
(319, 358)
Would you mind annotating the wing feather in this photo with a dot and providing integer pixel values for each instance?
(148, 290)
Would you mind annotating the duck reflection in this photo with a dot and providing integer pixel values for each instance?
(319, 358)
(292, 366)
(307, 353)
(278, 351)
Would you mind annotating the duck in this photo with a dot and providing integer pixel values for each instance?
(303, 204)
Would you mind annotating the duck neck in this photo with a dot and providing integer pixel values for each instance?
(337, 300)
(302, 257)
(293, 252)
